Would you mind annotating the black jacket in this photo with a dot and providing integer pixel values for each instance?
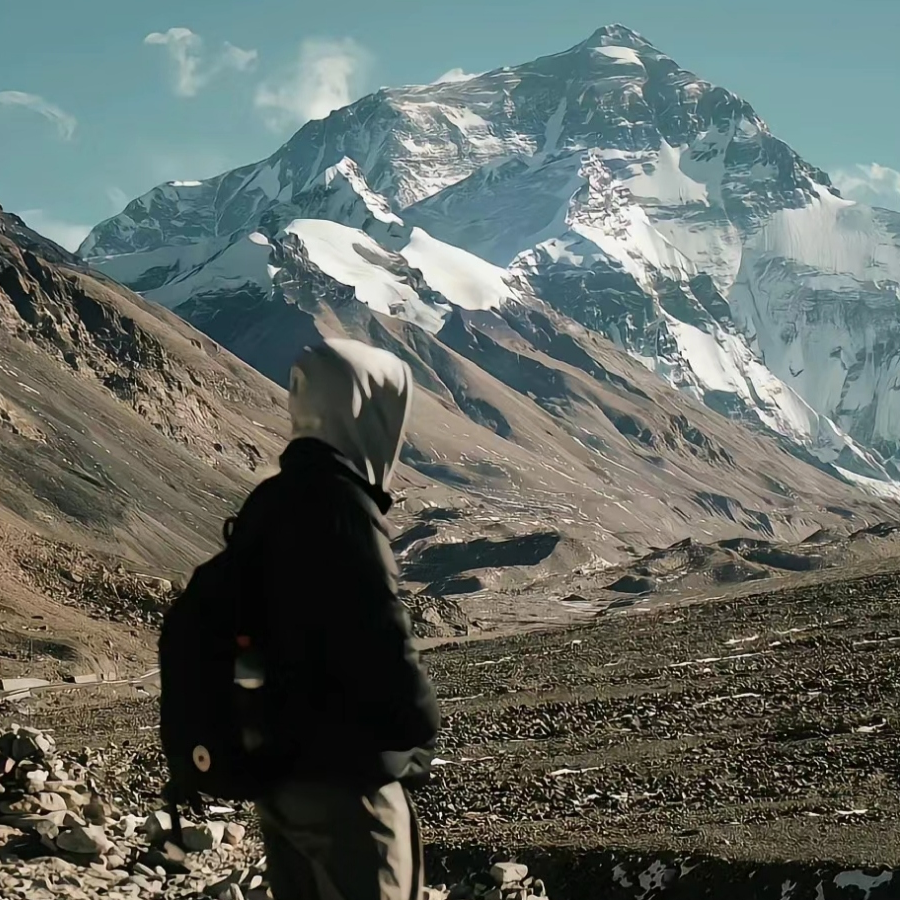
(352, 700)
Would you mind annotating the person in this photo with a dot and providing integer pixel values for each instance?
(338, 822)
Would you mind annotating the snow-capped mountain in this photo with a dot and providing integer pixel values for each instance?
(606, 182)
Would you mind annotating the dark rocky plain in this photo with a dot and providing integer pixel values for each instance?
(744, 747)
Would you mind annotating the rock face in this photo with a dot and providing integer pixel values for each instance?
(124, 425)
(626, 192)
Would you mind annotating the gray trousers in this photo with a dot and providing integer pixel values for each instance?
(327, 842)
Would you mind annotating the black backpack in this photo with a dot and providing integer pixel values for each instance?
(212, 711)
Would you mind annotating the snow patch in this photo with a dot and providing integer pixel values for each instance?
(665, 180)
(351, 257)
(620, 55)
(464, 279)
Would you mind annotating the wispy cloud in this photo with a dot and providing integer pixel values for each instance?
(118, 199)
(869, 183)
(65, 123)
(66, 234)
(327, 75)
(193, 67)
(455, 75)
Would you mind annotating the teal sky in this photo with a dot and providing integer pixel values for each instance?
(94, 112)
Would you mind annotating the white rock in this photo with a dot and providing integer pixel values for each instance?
(158, 825)
(85, 839)
(52, 802)
(509, 873)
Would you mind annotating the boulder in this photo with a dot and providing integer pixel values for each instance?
(51, 802)
(234, 834)
(199, 838)
(87, 840)
(507, 874)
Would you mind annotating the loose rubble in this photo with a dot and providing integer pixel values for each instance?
(61, 835)
(504, 881)
(109, 592)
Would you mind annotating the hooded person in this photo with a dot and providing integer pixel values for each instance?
(356, 714)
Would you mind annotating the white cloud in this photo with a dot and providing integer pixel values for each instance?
(455, 75)
(193, 68)
(327, 75)
(869, 183)
(118, 199)
(65, 123)
(66, 234)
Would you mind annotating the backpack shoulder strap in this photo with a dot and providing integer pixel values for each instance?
(366, 502)
(241, 534)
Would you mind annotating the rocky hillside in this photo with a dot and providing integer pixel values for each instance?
(537, 449)
(121, 425)
(125, 438)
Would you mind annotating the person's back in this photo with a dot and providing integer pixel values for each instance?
(356, 715)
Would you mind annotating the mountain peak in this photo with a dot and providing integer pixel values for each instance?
(616, 35)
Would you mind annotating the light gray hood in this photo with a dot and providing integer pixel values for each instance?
(356, 399)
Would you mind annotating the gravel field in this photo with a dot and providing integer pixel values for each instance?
(754, 735)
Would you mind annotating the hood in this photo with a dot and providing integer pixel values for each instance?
(356, 399)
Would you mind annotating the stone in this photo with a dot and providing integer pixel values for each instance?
(89, 840)
(65, 819)
(74, 798)
(232, 892)
(46, 828)
(98, 811)
(199, 838)
(157, 826)
(149, 885)
(22, 822)
(36, 781)
(23, 806)
(50, 802)
(128, 825)
(507, 874)
(27, 746)
(172, 858)
(218, 888)
(48, 842)
(234, 834)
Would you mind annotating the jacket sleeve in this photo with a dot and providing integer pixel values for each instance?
(367, 643)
